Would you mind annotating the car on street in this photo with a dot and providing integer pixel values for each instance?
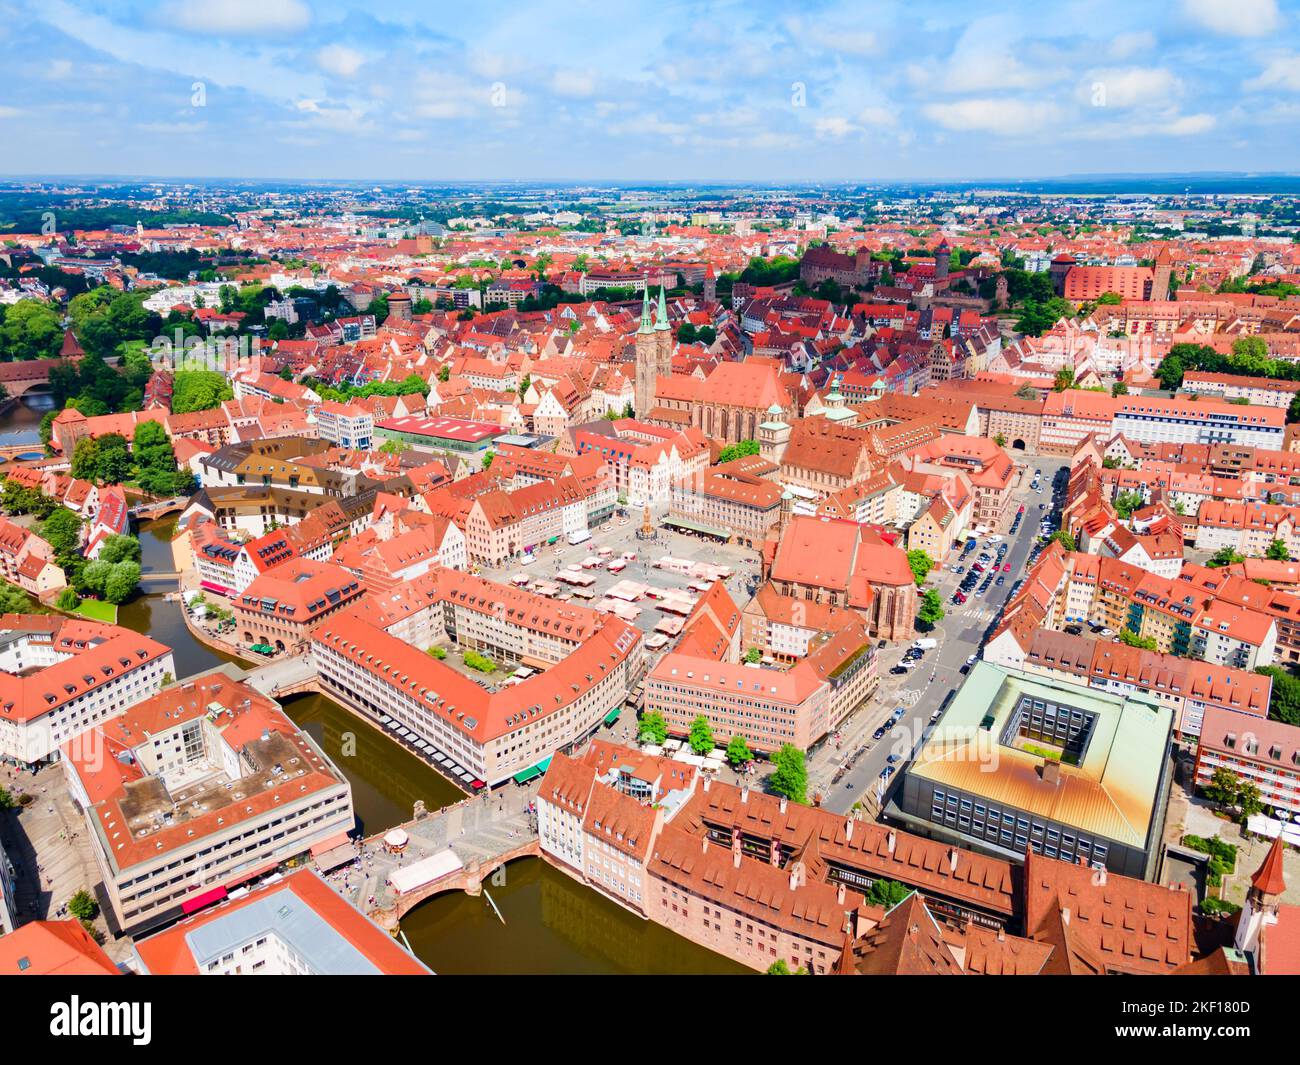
(892, 759)
(1006, 568)
(879, 732)
(887, 772)
(1000, 581)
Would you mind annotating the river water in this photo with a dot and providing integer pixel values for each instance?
(553, 924)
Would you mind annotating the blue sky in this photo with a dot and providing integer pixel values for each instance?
(681, 91)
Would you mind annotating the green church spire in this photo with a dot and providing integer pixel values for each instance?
(661, 317)
(647, 326)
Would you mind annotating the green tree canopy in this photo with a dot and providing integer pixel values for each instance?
(790, 777)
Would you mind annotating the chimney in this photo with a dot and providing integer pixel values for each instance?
(707, 781)
(890, 840)
(1051, 772)
(784, 802)
(797, 877)
(704, 844)
(735, 851)
(1065, 915)
(744, 795)
(952, 860)
(848, 828)
(774, 853)
(839, 894)
(1002, 934)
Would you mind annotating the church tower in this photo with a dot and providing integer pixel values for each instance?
(647, 362)
(1262, 900)
(663, 336)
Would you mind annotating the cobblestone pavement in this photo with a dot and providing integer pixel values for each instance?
(47, 844)
(474, 829)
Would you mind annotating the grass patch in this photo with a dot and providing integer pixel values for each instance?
(97, 610)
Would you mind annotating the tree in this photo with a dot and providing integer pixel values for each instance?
(1128, 636)
(791, 775)
(1127, 502)
(68, 599)
(488, 459)
(1119, 388)
(1063, 537)
(931, 609)
(1171, 372)
(1225, 556)
(1284, 697)
(701, 735)
(114, 460)
(737, 451)
(120, 548)
(199, 390)
(1277, 552)
(921, 564)
(738, 752)
(62, 530)
(122, 581)
(1000, 439)
(887, 893)
(753, 655)
(1293, 411)
(1064, 379)
(653, 728)
(85, 459)
(83, 906)
(30, 330)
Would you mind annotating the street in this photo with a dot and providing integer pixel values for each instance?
(923, 690)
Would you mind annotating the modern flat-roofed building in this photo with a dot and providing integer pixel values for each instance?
(1020, 762)
(346, 424)
(294, 926)
(452, 434)
(203, 787)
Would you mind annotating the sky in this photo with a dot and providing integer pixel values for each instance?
(672, 91)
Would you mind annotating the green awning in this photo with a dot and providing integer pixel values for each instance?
(697, 526)
(524, 776)
(612, 716)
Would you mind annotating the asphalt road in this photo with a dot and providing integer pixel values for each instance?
(923, 690)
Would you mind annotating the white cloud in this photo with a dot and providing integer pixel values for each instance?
(994, 115)
(839, 38)
(1237, 18)
(574, 83)
(876, 115)
(339, 60)
(834, 127)
(1127, 45)
(1129, 87)
(1281, 72)
(9, 112)
(236, 17)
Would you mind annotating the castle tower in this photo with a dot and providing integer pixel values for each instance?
(1163, 271)
(710, 285)
(647, 363)
(1001, 291)
(942, 260)
(1262, 900)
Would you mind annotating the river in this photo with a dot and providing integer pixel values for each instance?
(553, 924)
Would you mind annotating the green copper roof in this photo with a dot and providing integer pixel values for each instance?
(661, 317)
(647, 325)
